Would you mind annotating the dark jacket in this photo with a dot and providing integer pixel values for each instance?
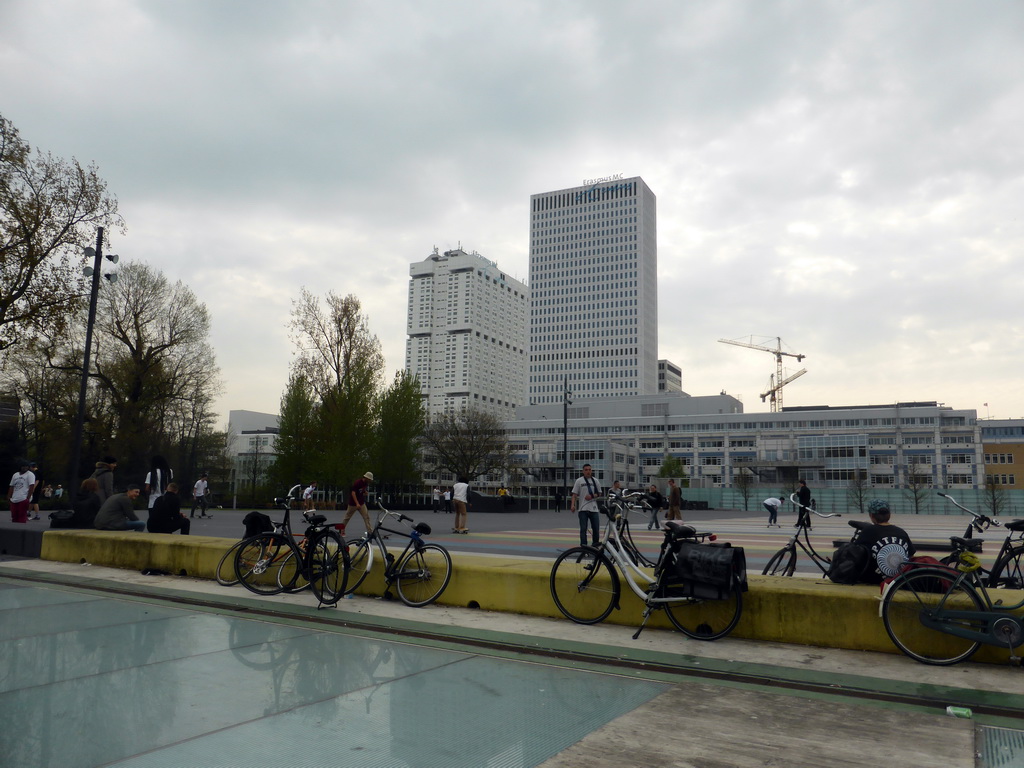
(165, 514)
(114, 513)
(105, 477)
(86, 505)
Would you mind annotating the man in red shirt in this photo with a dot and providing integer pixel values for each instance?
(357, 501)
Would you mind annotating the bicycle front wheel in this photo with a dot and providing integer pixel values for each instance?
(584, 585)
(226, 567)
(1008, 572)
(423, 575)
(360, 563)
(263, 564)
(783, 563)
(284, 573)
(706, 619)
(914, 611)
(328, 566)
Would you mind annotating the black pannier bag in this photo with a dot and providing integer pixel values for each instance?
(256, 523)
(709, 571)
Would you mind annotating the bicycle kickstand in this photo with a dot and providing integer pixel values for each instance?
(647, 615)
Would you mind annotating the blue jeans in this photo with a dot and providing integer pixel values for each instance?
(134, 525)
(594, 517)
(773, 513)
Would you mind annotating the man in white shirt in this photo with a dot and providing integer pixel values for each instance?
(307, 496)
(772, 504)
(461, 493)
(199, 491)
(585, 492)
(19, 493)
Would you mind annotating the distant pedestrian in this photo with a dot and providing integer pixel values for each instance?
(157, 480)
(436, 499)
(307, 496)
(772, 504)
(657, 501)
(803, 497)
(461, 493)
(165, 516)
(585, 492)
(357, 495)
(37, 492)
(199, 492)
(118, 512)
(104, 475)
(447, 501)
(675, 501)
(19, 493)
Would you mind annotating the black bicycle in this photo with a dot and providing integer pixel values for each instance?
(274, 562)
(1007, 570)
(421, 573)
(783, 562)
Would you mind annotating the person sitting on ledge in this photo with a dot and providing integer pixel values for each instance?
(118, 512)
(166, 515)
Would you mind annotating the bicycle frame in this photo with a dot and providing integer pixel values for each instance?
(376, 540)
(982, 523)
(821, 561)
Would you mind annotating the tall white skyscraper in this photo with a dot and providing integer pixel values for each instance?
(594, 291)
(467, 334)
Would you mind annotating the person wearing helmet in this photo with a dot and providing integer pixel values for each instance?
(889, 545)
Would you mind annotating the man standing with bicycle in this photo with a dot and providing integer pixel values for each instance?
(585, 492)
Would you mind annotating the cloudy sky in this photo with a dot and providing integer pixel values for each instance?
(845, 176)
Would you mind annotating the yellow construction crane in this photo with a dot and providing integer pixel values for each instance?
(774, 389)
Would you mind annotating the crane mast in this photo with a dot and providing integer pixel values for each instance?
(777, 382)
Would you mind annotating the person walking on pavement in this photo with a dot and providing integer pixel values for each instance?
(585, 492)
(357, 494)
(657, 501)
(37, 492)
(772, 504)
(199, 491)
(461, 493)
(675, 501)
(19, 493)
(803, 497)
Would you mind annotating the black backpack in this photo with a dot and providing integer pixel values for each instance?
(848, 563)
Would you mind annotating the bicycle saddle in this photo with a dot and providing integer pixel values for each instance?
(860, 525)
(422, 528)
(1014, 525)
(678, 530)
(317, 519)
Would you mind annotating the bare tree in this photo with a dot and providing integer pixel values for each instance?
(917, 487)
(995, 497)
(470, 444)
(857, 490)
(49, 211)
(743, 482)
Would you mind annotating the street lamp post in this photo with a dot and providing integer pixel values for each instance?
(566, 402)
(94, 272)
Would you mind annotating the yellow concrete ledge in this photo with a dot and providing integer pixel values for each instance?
(801, 611)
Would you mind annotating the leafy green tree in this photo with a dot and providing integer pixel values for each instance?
(673, 467)
(399, 424)
(298, 435)
(470, 443)
(49, 211)
(342, 361)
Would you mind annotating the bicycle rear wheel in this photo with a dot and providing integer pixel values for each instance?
(1008, 572)
(423, 575)
(328, 566)
(299, 582)
(705, 619)
(783, 563)
(584, 585)
(360, 563)
(263, 564)
(922, 595)
(226, 567)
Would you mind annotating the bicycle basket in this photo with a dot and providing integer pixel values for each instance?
(705, 570)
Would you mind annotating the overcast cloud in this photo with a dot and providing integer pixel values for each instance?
(844, 175)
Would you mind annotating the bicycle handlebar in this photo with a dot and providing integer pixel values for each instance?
(792, 498)
(979, 520)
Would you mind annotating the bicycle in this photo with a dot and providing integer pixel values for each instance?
(421, 573)
(623, 504)
(783, 562)
(1007, 571)
(585, 582)
(225, 573)
(273, 562)
(941, 616)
